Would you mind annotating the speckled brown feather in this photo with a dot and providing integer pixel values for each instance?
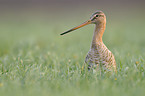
(101, 55)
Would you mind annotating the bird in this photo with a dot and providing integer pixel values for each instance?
(99, 56)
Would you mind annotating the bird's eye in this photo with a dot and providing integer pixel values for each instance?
(97, 15)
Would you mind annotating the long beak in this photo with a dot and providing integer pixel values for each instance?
(85, 23)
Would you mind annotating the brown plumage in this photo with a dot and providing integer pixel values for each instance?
(99, 57)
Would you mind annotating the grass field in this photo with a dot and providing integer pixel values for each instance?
(36, 61)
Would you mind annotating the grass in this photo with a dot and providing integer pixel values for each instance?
(36, 61)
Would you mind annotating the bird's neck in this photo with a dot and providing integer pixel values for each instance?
(98, 33)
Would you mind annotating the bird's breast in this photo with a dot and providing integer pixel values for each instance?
(99, 54)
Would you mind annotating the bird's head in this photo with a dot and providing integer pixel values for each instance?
(98, 17)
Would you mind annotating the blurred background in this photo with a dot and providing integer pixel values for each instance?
(36, 60)
(41, 21)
